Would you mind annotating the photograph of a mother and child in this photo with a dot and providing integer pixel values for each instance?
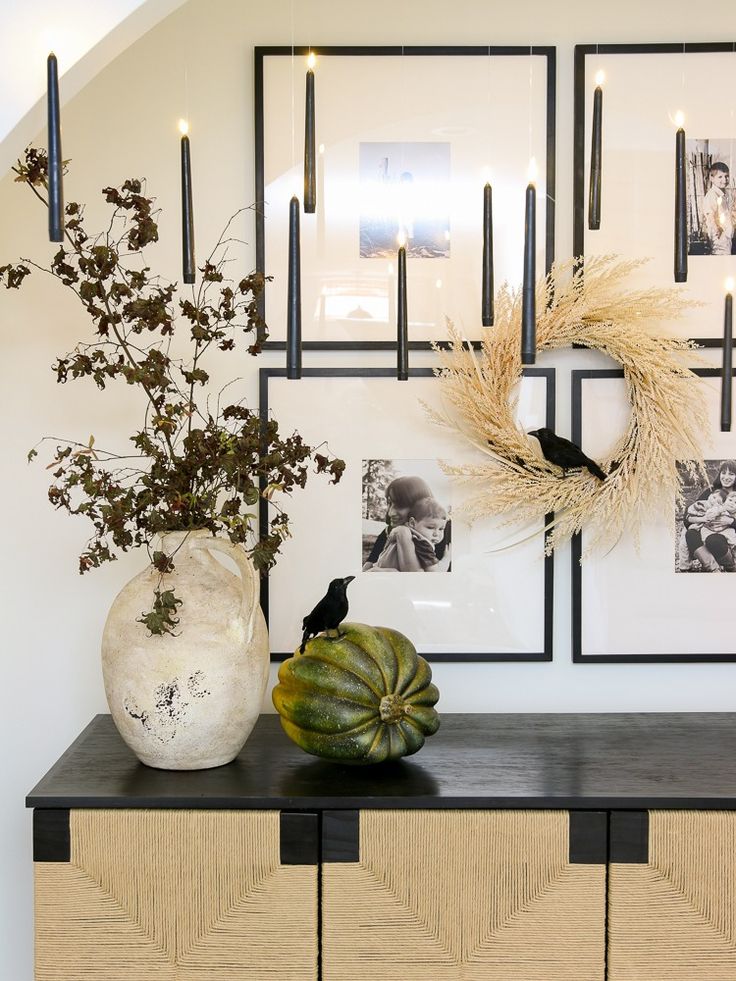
(706, 526)
(406, 517)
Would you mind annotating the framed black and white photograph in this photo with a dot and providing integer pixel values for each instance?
(658, 601)
(407, 516)
(710, 197)
(396, 521)
(647, 93)
(705, 522)
(405, 187)
(405, 140)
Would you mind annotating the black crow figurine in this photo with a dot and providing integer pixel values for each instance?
(329, 613)
(563, 453)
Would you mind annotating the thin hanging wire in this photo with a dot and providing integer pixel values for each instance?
(489, 102)
(682, 80)
(531, 89)
(403, 233)
(730, 145)
(293, 80)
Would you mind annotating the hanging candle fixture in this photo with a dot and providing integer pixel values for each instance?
(487, 311)
(680, 202)
(187, 214)
(402, 324)
(594, 195)
(55, 162)
(294, 302)
(528, 289)
(310, 158)
(727, 369)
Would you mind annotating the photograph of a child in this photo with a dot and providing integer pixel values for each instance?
(406, 511)
(404, 187)
(706, 526)
(711, 197)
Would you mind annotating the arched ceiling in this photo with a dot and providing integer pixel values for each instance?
(85, 35)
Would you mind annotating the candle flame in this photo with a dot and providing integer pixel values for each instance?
(729, 284)
(401, 238)
(311, 60)
(600, 77)
(679, 119)
(321, 148)
(438, 284)
(486, 175)
(183, 127)
(533, 171)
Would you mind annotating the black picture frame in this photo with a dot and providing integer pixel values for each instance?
(582, 52)
(411, 51)
(549, 374)
(578, 656)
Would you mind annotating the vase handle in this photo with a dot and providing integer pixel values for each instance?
(250, 581)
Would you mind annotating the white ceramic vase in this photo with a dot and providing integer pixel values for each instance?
(188, 701)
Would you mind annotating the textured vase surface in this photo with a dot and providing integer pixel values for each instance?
(188, 701)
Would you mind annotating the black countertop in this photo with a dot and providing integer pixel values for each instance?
(684, 760)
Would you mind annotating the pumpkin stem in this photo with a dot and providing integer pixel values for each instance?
(392, 708)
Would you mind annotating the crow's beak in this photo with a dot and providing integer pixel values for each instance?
(348, 579)
(534, 433)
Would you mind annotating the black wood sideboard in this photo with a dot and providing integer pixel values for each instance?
(530, 847)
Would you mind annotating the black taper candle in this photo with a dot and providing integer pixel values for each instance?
(402, 328)
(187, 214)
(727, 372)
(528, 294)
(487, 287)
(55, 163)
(594, 195)
(680, 206)
(310, 160)
(294, 303)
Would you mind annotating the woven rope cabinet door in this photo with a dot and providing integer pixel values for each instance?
(178, 895)
(466, 895)
(672, 896)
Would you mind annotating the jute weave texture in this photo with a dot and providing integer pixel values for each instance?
(463, 896)
(674, 919)
(175, 896)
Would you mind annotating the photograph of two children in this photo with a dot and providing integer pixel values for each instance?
(407, 511)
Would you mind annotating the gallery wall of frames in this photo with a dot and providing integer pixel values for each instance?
(388, 204)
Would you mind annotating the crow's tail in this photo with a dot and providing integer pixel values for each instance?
(595, 470)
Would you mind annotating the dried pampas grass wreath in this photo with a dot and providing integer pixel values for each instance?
(668, 421)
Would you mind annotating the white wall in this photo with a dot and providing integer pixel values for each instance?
(123, 124)
(85, 35)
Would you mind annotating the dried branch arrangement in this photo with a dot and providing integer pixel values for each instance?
(668, 417)
(192, 461)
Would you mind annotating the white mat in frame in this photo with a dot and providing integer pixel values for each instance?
(645, 86)
(630, 606)
(491, 108)
(491, 605)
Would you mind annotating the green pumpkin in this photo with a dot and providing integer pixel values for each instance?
(363, 697)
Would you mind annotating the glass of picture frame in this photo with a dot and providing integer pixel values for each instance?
(481, 600)
(405, 136)
(659, 603)
(645, 87)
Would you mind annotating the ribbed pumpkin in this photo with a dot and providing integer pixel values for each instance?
(364, 697)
